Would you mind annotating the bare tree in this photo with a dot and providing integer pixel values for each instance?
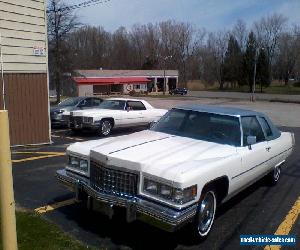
(296, 34)
(268, 30)
(90, 47)
(240, 33)
(61, 21)
(287, 56)
(217, 45)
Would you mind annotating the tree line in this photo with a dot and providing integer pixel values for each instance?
(268, 49)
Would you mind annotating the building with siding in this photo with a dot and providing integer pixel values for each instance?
(23, 32)
(95, 82)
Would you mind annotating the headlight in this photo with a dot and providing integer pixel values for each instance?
(166, 192)
(59, 111)
(83, 165)
(74, 162)
(150, 186)
(78, 164)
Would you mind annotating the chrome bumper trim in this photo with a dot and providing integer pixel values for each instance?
(163, 217)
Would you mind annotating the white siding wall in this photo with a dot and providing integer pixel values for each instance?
(85, 90)
(23, 27)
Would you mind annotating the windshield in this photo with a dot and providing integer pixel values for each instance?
(112, 104)
(70, 101)
(201, 125)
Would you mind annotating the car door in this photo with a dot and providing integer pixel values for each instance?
(274, 146)
(135, 113)
(254, 158)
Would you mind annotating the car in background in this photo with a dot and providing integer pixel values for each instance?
(191, 161)
(115, 113)
(178, 91)
(60, 113)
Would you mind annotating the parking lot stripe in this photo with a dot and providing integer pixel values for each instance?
(43, 155)
(51, 207)
(40, 153)
(74, 138)
(286, 226)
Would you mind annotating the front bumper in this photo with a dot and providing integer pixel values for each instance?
(138, 208)
(58, 122)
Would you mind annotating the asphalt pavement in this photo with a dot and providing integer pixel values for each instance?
(245, 96)
(260, 209)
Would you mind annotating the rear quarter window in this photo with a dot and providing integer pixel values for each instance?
(266, 127)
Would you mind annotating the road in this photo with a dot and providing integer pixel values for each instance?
(245, 96)
(260, 209)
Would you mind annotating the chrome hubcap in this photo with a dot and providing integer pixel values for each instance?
(105, 128)
(276, 173)
(206, 213)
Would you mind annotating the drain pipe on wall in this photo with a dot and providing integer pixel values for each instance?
(2, 73)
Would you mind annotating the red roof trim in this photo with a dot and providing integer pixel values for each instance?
(110, 80)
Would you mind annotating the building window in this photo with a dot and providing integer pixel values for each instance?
(137, 86)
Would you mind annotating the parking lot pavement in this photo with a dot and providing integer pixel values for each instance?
(282, 114)
(260, 209)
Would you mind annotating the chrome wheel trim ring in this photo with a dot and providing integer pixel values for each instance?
(276, 174)
(105, 127)
(206, 213)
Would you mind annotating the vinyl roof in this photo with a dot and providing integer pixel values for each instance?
(220, 110)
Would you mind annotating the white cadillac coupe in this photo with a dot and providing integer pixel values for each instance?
(193, 159)
(115, 113)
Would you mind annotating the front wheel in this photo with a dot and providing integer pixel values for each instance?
(205, 214)
(105, 128)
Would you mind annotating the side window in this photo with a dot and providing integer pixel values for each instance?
(136, 105)
(96, 102)
(252, 127)
(82, 103)
(89, 102)
(266, 127)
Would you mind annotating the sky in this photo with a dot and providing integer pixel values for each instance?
(213, 15)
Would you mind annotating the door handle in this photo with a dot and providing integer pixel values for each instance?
(268, 149)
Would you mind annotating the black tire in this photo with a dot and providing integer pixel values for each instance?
(206, 212)
(274, 176)
(105, 128)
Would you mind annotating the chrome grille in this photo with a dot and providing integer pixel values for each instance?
(76, 120)
(113, 181)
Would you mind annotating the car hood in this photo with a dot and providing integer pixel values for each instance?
(164, 155)
(94, 112)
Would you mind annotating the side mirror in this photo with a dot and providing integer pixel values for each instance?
(251, 140)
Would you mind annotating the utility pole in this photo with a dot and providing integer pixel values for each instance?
(7, 202)
(254, 74)
(165, 78)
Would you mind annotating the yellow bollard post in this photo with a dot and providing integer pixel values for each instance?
(7, 202)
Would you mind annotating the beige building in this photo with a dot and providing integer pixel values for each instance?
(94, 82)
(23, 32)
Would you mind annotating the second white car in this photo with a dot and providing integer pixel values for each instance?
(115, 113)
